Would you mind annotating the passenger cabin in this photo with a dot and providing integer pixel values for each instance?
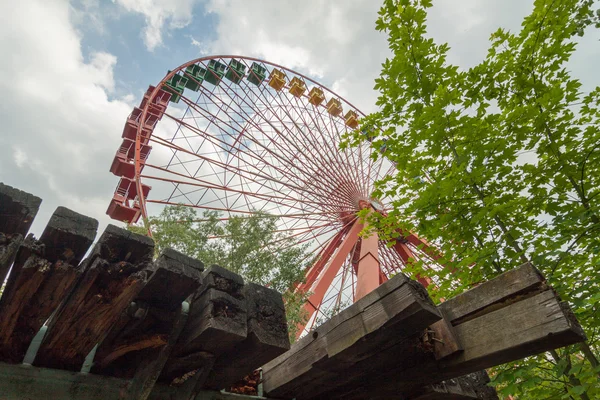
(297, 87)
(133, 122)
(124, 205)
(334, 107)
(159, 103)
(316, 96)
(215, 71)
(175, 86)
(195, 76)
(236, 71)
(351, 119)
(277, 79)
(124, 162)
(257, 74)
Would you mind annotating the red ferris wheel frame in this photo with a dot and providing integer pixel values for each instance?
(366, 261)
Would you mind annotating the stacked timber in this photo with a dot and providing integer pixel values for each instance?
(407, 347)
(136, 318)
(233, 329)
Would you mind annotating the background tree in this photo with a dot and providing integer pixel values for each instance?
(249, 246)
(498, 164)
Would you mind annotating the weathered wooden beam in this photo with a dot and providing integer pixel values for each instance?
(267, 338)
(396, 310)
(521, 317)
(175, 277)
(495, 293)
(17, 211)
(217, 322)
(42, 275)
(531, 326)
(115, 272)
(9, 245)
(147, 325)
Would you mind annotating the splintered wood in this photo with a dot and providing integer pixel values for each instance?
(513, 316)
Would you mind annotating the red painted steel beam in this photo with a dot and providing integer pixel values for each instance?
(369, 271)
(326, 278)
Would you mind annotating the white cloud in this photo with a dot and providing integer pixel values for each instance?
(335, 42)
(159, 13)
(19, 157)
(60, 130)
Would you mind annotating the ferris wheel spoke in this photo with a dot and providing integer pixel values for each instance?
(284, 109)
(208, 185)
(237, 170)
(289, 142)
(218, 144)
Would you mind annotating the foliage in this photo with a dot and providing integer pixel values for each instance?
(249, 246)
(498, 164)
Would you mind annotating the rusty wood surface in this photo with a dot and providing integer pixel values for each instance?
(217, 322)
(115, 272)
(523, 318)
(43, 274)
(147, 323)
(147, 373)
(494, 294)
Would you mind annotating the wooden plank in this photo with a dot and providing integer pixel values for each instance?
(175, 277)
(68, 236)
(394, 311)
(522, 317)
(267, 338)
(43, 274)
(494, 293)
(17, 210)
(147, 324)
(531, 326)
(117, 269)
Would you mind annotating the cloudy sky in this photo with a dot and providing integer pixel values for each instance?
(72, 71)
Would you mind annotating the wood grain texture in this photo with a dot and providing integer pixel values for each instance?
(112, 276)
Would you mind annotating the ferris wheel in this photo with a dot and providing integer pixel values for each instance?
(239, 135)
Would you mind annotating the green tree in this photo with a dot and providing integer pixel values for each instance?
(250, 246)
(498, 164)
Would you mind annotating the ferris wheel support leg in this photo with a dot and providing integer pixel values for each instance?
(323, 283)
(368, 276)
